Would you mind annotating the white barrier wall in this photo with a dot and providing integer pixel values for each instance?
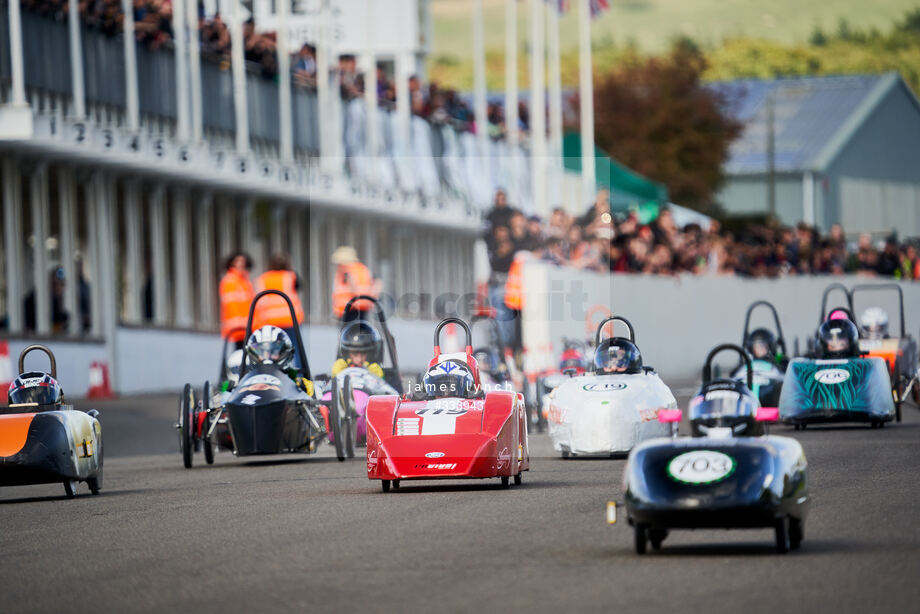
(679, 319)
(157, 360)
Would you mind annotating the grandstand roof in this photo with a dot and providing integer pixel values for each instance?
(814, 117)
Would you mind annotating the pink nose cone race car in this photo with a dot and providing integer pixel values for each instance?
(448, 427)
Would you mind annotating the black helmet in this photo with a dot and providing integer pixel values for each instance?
(761, 344)
(724, 403)
(617, 355)
(35, 391)
(270, 345)
(361, 337)
(838, 339)
(451, 378)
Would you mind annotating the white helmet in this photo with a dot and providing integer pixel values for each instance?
(874, 322)
(270, 345)
(234, 362)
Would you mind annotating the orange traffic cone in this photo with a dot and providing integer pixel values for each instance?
(99, 385)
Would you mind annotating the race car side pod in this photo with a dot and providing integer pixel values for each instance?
(672, 417)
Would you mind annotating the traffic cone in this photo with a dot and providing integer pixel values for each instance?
(99, 385)
(6, 371)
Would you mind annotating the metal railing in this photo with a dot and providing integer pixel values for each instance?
(47, 61)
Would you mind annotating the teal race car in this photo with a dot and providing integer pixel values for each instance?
(837, 382)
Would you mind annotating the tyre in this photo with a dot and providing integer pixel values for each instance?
(656, 537)
(565, 454)
(185, 424)
(335, 421)
(782, 535)
(385, 485)
(206, 407)
(898, 389)
(518, 478)
(506, 481)
(796, 533)
(95, 483)
(70, 488)
(350, 419)
(395, 484)
(641, 538)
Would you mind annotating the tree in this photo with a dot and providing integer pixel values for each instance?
(655, 116)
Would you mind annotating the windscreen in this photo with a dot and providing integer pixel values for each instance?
(727, 403)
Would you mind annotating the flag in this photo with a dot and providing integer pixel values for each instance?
(598, 7)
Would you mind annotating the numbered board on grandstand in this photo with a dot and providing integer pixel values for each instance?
(152, 150)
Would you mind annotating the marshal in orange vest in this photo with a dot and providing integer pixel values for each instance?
(235, 297)
(272, 310)
(351, 279)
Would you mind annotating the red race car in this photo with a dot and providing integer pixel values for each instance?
(447, 427)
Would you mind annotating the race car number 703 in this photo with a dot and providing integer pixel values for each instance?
(701, 467)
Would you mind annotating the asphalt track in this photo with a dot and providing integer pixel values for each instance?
(310, 533)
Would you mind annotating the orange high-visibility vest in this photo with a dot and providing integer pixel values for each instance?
(514, 287)
(273, 310)
(360, 277)
(235, 296)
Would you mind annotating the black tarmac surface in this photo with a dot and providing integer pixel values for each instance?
(310, 533)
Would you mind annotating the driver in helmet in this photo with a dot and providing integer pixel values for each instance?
(35, 392)
(451, 378)
(838, 339)
(360, 346)
(875, 322)
(572, 359)
(617, 355)
(270, 345)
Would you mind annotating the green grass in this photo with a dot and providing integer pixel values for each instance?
(650, 25)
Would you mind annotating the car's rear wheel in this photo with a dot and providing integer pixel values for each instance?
(506, 481)
(95, 482)
(70, 488)
(395, 484)
(335, 421)
(518, 478)
(385, 485)
(565, 454)
(898, 389)
(186, 422)
(350, 419)
(206, 408)
(782, 535)
(640, 535)
(796, 533)
(656, 537)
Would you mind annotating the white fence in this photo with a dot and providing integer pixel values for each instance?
(679, 319)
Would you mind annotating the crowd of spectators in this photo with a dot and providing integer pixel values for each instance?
(602, 242)
(153, 27)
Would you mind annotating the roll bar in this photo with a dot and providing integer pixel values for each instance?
(834, 286)
(779, 329)
(869, 287)
(382, 318)
(745, 358)
(305, 367)
(600, 328)
(41, 348)
(445, 322)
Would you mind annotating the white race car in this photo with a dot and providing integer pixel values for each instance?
(609, 411)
